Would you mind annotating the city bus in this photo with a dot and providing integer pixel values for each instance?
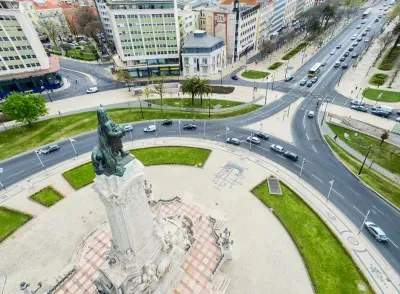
(366, 13)
(315, 69)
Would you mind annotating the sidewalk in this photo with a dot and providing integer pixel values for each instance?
(327, 131)
(379, 273)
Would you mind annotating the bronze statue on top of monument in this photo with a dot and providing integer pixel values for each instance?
(108, 156)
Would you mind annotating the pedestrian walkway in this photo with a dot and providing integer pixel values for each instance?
(326, 130)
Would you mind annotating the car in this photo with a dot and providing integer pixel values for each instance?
(347, 53)
(355, 44)
(324, 62)
(288, 79)
(351, 49)
(357, 102)
(384, 4)
(309, 84)
(311, 114)
(398, 112)
(50, 149)
(128, 128)
(339, 46)
(261, 135)
(376, 231)
(380, 113)
(150, 128)
(366, 40)
(234, 77)
(398, 119)
(303, 82)
(363, 21)
(233, 141)
(92, 90)
(359, 108)
(380, 16)
(359, 39)
(354, 55)
(354, 37)
(167, 122)
(358, 27)
(380, 8)
(337, 64)
(314, 80)
(364, 33)
(376, 20)
(253, 139)
(368, 28)
(189, 127)
(344, 65)
(277, 148)
(343, 58)
(291, 155)
(333, 52)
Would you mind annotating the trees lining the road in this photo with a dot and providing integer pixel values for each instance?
(51, 29)
(124, 76)
(25, 108)
(196, 86)
(159, 85)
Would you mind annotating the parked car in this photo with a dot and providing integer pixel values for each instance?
(189, 127)
(337, 64)
(343, 58)
(368, 28)
(376, 20)
(167, 122)
(150, 128)
(288, 79)
(311, 114)
(92, 90)
(309, 84)
(366, 40)
(277, 148)
(314, 80)
(357, 102)
(128, 128)
(253, 139)
(359, 108)
(380, 113)
(398, 112)
(386, 108)
(358, 27)
(355, 44)
(344, 66)
(324, 62)
(339, 46)
(261, 135)
(398, 119)
(233, 141)
(353, 37)
(234, 77)
(359, 39)
(354, 55)
(364, 34)
(376, 231)
(50, 149)
(291, 155)
(346, 53)
(303, 82)
(333, 52)
(363, 21)
(351, 49)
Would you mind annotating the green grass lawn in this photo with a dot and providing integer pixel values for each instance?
(254, 74)
(384, 186)
(382, 155)
(84, 174)
(47, 196)
(330, 267)
(221, 89)
(294, 51)
(387, 96)
(389, 60)
(86, 54)
(21, 139)
(275, 65)
(378, 79)
(10, 221)
(187, 102)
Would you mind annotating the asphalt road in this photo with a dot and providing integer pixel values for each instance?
(320, 167)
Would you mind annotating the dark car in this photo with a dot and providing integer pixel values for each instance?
(233, 141)
(167, 122)
(359, 108)
(364, 34)
(261, 135)
(347, 53)
(50, 149)
(291, 155)
(189, 127)
(354, 55)
(288, 79)
(351, 49)
(309, 84)
(355, 44)
(303, 82)
(344, 66)
(377, 19)
(234, 77)
(380, 113)
(338, 46)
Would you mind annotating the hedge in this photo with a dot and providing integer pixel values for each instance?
(221, 89)
(294, 51)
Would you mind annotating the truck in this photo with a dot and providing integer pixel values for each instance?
(386, 108)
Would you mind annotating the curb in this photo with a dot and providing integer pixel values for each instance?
(354, 175)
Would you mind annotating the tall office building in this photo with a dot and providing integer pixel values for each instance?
(146, 36)
(24, 64)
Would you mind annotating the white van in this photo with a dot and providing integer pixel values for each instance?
(150, 128)
(386, 108)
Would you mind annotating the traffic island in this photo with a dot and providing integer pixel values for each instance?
(47, 196)
(254, 74)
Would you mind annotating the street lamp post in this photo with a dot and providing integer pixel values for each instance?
(379, 97)
(365, 219)
(273, 79)
(37, 154)
(204, 135)
(351, 93)
(141, 109)
(73, 147)
(302, 165)
(266, 92)
(180, 131)
(156, 129)
(287, 65)
(323, 117)
(220, 71)
(341, 74)
(2, 186)
(209, 106)
(359, 92)
(365, 159)
(330, 189)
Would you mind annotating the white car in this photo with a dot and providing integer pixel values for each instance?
(311, 114)
(150, 128)
(398, 119)
(333, 52)
(368, 28)
(128, 128)
(253, 139)
(277, 148)
(366, 40)
(92, 90)
(376, 231)
(233, 141)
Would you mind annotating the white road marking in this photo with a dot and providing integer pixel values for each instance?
(297, 165)
(393, 243)
(354, 191)
(307, 137)
(304, 122)
(314, 148)
(15, 174)
(281, 156)
(358, 211)
(317, 178)
(377, 209)
(373, 211)
(223, 134)
(340, 195)
(263, 113)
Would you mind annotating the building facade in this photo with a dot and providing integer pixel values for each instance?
(278, 17)
(24, 64)
(290, 13)
(203, 55)
(105, 20)
(146, 37)
(264, 22)
(189, 21)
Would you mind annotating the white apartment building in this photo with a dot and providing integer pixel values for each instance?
(189, 21)
(278, 17)
(203, 55)
(309, 4)
(146, 36)
(23, 60)
(265, 12)
(105, 20)
(290, 13)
